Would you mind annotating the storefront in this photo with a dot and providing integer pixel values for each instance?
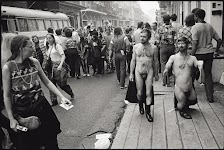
(94, 17)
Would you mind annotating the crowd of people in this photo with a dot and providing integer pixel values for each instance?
(141, 54)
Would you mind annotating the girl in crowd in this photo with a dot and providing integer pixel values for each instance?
(58, 74)
(23, 97)
(38, 53)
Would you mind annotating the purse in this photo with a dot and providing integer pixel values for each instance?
(31, 122)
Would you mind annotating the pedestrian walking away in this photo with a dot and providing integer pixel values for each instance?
(142, 71)
(23, 98)
(119, 46)
(166, 39)
(182, 64)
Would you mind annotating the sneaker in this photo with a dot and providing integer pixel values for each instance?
(123, 87)
(88, 75)
(84, 75)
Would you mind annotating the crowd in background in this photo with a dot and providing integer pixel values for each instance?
(91, 51)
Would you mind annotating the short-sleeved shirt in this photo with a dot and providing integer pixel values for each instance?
(203, 33)
(154, 37)
(176, 26)
(56, 52)
(136, 36)
(167, 34)
(186, 32)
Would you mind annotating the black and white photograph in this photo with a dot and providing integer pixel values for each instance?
(112, 75)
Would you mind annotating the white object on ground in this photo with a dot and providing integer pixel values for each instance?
(102, 143)
(65, 106)
(105, 135)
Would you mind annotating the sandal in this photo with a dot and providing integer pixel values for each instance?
(185, 115)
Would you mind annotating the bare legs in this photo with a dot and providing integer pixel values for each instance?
(139, 85)
(184, 100)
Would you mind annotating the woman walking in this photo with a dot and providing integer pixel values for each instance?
(23, 97)
(59, 72)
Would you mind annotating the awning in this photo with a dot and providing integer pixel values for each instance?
(92, 10)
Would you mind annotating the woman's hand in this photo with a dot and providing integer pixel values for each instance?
(13, 124)
(65, 101)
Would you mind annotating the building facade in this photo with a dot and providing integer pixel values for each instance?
(213, 9)
(95, 13)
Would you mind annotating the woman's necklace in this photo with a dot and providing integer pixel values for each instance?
(31, 77)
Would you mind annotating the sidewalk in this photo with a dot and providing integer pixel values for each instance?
(169, 130)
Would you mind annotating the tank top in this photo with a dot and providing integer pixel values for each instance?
(26, 88)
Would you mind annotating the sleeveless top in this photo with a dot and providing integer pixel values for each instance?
(26, 88)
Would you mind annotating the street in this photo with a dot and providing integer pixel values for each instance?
(97, 106)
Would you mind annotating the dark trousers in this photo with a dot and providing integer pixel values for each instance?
(73, 61)
(207, 67)
(59, 78)
(120, 66)
(129, 56)
(166, 51)
(97, 65)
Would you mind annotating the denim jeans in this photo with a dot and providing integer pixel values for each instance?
(207, 67)
(165, 52)
(120, 65)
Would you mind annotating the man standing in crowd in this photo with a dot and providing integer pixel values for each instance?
(186, 30)
(202, 48)
(136, 35)
(154, 40)
(177, 26)
(166, 39)
(119, 46)
(142, 71)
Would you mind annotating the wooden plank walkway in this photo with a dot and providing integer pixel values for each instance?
(169, 130)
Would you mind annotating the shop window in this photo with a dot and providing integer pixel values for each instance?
(23, 25)
(32, 25)
(55, 24)
(47, 23)
(40, 24)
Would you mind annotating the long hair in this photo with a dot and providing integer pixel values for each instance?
(47, 44)
(35, 36)
(17, 42)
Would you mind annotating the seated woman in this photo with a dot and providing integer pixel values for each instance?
(24, 98)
